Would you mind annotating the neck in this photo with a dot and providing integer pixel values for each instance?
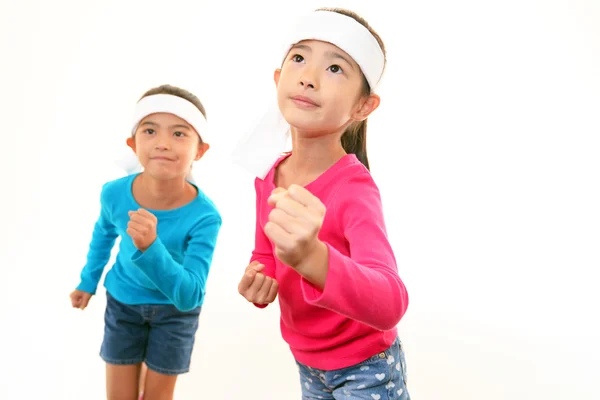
(164, 192)
(315, 154)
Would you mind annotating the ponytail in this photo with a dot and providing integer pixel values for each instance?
(354, 141)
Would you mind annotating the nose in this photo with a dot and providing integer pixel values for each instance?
(308, 79)
(162, 143)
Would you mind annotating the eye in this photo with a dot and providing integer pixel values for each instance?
(179, 134)
(297, 58)
(149, 131)
(336, 69)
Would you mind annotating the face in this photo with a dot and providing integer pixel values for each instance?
(320, 89)
(166, 145)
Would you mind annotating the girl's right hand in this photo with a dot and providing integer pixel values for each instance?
(256, 287)
(80, 299)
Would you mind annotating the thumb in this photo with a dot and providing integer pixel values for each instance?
(84, 302)
(249, 276)
(276, 195)
(256, 266)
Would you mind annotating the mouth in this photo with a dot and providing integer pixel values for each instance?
(161, 158)
(304, 101)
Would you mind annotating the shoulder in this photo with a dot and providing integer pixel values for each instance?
(205, 209)
(116, 189)
(357, 195)
(355, 181)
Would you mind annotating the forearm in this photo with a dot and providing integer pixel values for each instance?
(314, 266)
(369, 292)
(103, 240)
(182, 287)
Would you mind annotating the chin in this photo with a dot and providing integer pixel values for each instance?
(163, 175)
(300, 119)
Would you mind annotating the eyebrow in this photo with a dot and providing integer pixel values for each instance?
(331, 54)
(171, 127)
(180, 126)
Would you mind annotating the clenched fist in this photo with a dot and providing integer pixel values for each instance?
(256, 287)
(142, 228)
(80, 299)
(294, 223)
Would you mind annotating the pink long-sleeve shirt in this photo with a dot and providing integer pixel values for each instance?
(355, 316)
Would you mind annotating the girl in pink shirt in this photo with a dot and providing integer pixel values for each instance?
(321, 242)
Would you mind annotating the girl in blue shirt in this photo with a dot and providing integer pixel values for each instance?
(168, 229)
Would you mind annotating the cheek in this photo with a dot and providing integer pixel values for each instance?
(288, 77)
(142, 147)
(346, 99)
(187, 151)
(339, 105)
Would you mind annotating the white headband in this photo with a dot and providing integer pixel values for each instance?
(164, 103)
(260, 148)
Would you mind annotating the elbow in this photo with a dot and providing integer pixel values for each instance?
(184, 306)
(392, 320)
(188, 303)
(396, 312)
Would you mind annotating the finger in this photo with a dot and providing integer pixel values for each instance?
(306, 198)
(273, 290)
(147, 214)
(246, 280)
(84, 303)
(255, 266)
(279, 236)
(252, 292)
(292, 207)
(263, 292)
(284, 220)
(133, 233)
(135, 236)
(136, 226)
(141, 219)
(276, 195)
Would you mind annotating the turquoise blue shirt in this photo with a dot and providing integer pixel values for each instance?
(173, 270)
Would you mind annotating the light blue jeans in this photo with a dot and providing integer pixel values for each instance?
(381, 377)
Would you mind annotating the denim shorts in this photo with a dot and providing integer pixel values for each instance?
(160, 335)
(381, 377)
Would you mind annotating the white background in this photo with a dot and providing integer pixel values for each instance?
(485, 148)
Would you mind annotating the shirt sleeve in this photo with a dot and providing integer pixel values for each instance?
(182, 283)
(364, 286)
(263, 250)
(104, 236)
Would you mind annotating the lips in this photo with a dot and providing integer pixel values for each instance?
(161, 158)
(304, 101)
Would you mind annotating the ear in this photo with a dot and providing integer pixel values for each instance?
(131, 143)
(202, 149)
(366, 107)
(276, 76)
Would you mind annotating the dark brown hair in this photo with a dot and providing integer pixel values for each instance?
(354, 139)
(175, 91)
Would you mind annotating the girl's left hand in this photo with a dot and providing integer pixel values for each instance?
(294, 223)
(142, 228)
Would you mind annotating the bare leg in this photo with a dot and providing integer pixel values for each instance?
(122, 382)
(159, 386)
(142, 383)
